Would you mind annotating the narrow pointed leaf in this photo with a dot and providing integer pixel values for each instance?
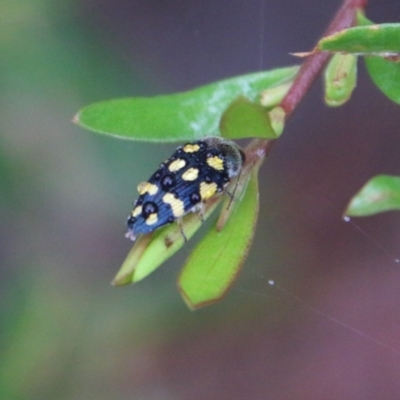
(177, 117)
(340, 79)
(150, 251)
(383, 38)
(125, 274)
(215, 263)
(381, 193)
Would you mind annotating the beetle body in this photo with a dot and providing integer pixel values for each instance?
(196, 172)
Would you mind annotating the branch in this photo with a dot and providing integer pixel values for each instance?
(258, 148)
(314, 63)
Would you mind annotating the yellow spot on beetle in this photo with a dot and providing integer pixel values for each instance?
(191, 148)
(207, 190)
(137, 211)
(146, 187)
(151, 219)
(177, 205)
(177, 165)
(216, 163)
(191, 174)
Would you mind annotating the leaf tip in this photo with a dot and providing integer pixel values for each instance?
(121, 280)
(192, 306)
(76, 119)
(277, 117)
(302, 54)
(114, 282)
(195, 304)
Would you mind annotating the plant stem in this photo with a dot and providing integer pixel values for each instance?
(309, 70)
(315, 62)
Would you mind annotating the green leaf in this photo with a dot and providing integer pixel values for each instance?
(177, 117)
(386, 75)
(150, 251)
(383, 72)
(127, 270)
(215, 263)
(340, 79)
(383, 38)
(362, 20)
(381, 193)
(277, 117)
(273, 96)
(245, 118)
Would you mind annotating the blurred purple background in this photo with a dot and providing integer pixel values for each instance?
(65, 193)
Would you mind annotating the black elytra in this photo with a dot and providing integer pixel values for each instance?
(196, 172)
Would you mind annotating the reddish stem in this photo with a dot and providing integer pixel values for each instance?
(314, 63)
(259, 148)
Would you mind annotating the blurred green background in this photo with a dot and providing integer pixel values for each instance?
(65, 193)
